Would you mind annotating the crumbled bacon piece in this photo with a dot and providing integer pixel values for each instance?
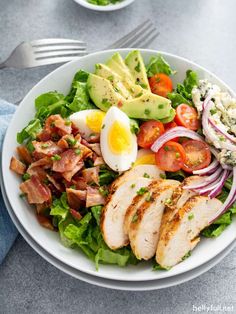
(24, 154)
(91, 175)
(68, 160)
(96, 148)
(45, 222)
(62, 126)
(44, 162)
(40, 208)
(94, 197)
(75, 214)
(17, 166)
(48, 148)
(57, 185)
(38, 172)
(79, 182)
(98, 161)
(69, 174)
(36, 192)
(76, 198)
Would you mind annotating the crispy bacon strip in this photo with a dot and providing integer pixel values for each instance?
(36, 192)
(40, 208)
(45, 222)
(17, 166)
(94, 197)
(38, 172)
(76, 198)
(69, 174)
(69, 159)
(24, 154)
(91, 175)
(60, 124)
(48, 148)
(80, 183)
(57, 185)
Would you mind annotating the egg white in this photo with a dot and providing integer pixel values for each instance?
(79, 119)
(122, 161)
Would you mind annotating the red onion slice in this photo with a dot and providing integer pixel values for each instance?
(208, 188)
(221, 131)
(208, 170)
(178, 131)
(206, 181)
(230, 199)
(219, 187)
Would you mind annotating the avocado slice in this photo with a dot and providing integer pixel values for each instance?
(147, 106)
(104, 71)
(117, 65)
(135, 63)
(102, 92)
(170, 118)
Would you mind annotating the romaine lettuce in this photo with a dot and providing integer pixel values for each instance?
(158, 65)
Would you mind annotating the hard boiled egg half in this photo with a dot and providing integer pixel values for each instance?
(88, 122)
(118, 143)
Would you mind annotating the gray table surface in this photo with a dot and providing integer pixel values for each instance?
(203, 31)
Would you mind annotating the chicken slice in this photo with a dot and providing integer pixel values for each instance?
(181, 234)
(146, 171)
(138, 200)
(179, 198)
(112, 218)
(146, 221)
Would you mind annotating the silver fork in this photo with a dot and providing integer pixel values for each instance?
(140, 37)
(44, 52)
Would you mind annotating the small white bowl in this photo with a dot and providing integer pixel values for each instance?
(109, 7)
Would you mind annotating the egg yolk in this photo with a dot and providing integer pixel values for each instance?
(119, 138)
(148, 159)
(94, 121)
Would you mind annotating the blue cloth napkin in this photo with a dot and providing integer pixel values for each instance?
(8, 231)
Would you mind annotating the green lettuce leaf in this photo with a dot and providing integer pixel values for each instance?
(182, 93)
(177, 175)
(213, 231)
(106, 175)
(96, 211)
(30, 131)
(158, 65)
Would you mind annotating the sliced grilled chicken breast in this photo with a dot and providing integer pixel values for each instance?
(112, 218)
(139, 199)
(146, 171)
(146, 221)
(181, 234)
(179, 198)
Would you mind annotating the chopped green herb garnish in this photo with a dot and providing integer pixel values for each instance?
(110, 78)
(166, 148)
(67, 122)
(56, 157)
(222, 138)
(161, 106)
(46, 181)
(168, 201)
(78, 151)
(25, 176)
(162, 176)
(132, 185)
(177, 155)
(135, 218)
(44, 146)
(71, 141)
(146, 175)
(98, 66)
(22, 195)
(73, 187)
(186, 255)
(103, 191)
(103, 126)
(142, 190)
(137, 68)
(147, 112)
(149, 197)
(190, 216)
(213, 111)
(139, 95)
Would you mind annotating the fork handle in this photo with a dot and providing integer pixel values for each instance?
(3, 65)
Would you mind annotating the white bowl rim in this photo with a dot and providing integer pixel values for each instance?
(104, 8)
(4, 147)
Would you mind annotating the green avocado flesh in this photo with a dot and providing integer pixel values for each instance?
(115, 84)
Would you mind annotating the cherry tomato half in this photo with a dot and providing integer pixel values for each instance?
(160, 84)
(171, 125)
(170, 157)
(187, 116)
(198, 155)
(149, 132)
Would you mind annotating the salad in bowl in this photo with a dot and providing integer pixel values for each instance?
(128, 166)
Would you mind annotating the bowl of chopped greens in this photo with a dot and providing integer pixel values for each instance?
(122, 164)
(104, 5)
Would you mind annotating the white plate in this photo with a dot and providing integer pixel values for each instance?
(106, 8)
(60, 80)
(115, 284)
